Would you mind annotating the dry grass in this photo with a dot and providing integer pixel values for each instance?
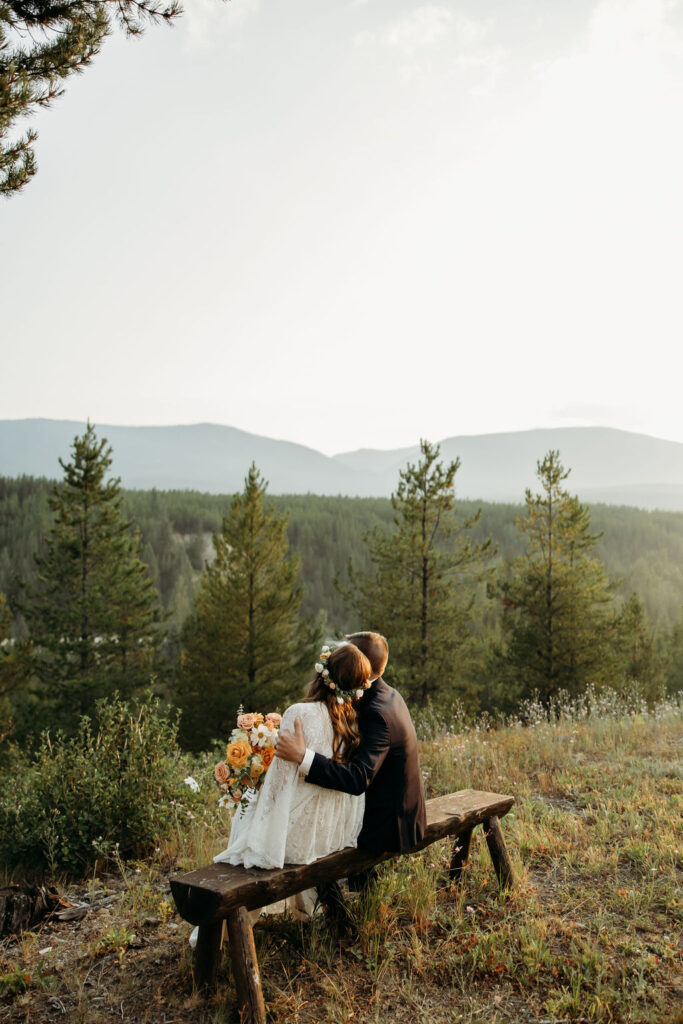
(589, 933)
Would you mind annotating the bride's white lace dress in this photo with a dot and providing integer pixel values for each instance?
(292, 821)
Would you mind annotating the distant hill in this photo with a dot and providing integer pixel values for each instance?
(611, 466)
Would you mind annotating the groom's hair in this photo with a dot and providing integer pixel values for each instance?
(375, 648)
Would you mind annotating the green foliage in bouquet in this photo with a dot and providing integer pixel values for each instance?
(108, 788)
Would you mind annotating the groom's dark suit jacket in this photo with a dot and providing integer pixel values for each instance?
(386, 768)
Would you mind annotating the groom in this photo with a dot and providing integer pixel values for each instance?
(385, 765)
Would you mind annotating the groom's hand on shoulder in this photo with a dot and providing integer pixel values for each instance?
(291, 746)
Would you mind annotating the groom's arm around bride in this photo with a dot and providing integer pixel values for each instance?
(385, 766)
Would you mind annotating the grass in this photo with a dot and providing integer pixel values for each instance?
(590, 932)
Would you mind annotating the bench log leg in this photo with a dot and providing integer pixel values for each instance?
(460, 856)
(498, 850)
(245, 968)
(206, 956)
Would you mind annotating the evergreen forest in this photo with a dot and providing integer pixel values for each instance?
(218, 600)
(641, 549)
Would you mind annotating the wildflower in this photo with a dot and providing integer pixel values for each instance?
(192, 783)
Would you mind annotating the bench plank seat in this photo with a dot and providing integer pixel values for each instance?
(208, 894)
(220, 892)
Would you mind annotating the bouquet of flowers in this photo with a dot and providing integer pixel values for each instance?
(250, 752)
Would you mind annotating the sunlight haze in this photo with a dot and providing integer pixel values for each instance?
(352, 224)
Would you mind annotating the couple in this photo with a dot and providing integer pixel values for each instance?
(346, 771)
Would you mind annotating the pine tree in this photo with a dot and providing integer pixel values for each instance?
(558, 617)
(93, 612)
(422, 588)
(10, 670)
(42, 42)
(643, 664)
(671, 652)
(245, 643)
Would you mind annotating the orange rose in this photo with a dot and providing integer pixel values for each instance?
(267, 755)
(258, 719)
(257, 771)
(238, 753)
(221, 772)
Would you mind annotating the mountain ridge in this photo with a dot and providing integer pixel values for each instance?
(607, 464)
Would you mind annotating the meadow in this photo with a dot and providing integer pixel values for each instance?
(590, 931)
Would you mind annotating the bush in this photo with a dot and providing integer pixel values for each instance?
(108, 788)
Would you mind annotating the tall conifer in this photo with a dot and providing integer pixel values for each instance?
(93, 611)
(421, 591)
(559, 623)
(245, 643)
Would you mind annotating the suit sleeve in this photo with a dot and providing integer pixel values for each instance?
(354, 776)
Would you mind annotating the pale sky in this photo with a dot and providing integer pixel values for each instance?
(355, 223)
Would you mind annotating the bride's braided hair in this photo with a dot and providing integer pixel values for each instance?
(349, 669)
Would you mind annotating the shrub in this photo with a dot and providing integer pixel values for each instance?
(107, 788)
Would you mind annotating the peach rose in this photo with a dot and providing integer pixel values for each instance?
(238, 753)
(273, 718)
(221, 772)
(267, 755)
(257, 770)
(246, 721)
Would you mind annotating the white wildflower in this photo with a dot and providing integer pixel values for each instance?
(318, 666)
(192, 783)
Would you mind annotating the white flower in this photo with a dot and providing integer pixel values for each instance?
(340, 700)
(192, 783)
(257, 759)
(325, 650)
(359, 693)
(318, 666)
(325, 673)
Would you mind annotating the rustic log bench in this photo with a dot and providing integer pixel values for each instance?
(211, 895)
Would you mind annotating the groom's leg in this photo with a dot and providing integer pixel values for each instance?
(332, 899)
(362, 881)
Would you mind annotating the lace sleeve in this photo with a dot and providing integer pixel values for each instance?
(263, 843)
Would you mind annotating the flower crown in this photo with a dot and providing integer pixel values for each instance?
(343, 696)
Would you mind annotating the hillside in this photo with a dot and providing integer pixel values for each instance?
(611, 466)
(588, 932)
(642, 549)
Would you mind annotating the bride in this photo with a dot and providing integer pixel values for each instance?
(294, 822)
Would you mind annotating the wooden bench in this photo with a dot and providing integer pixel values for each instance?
(209, 896)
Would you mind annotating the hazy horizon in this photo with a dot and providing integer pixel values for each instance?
(342, 451)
